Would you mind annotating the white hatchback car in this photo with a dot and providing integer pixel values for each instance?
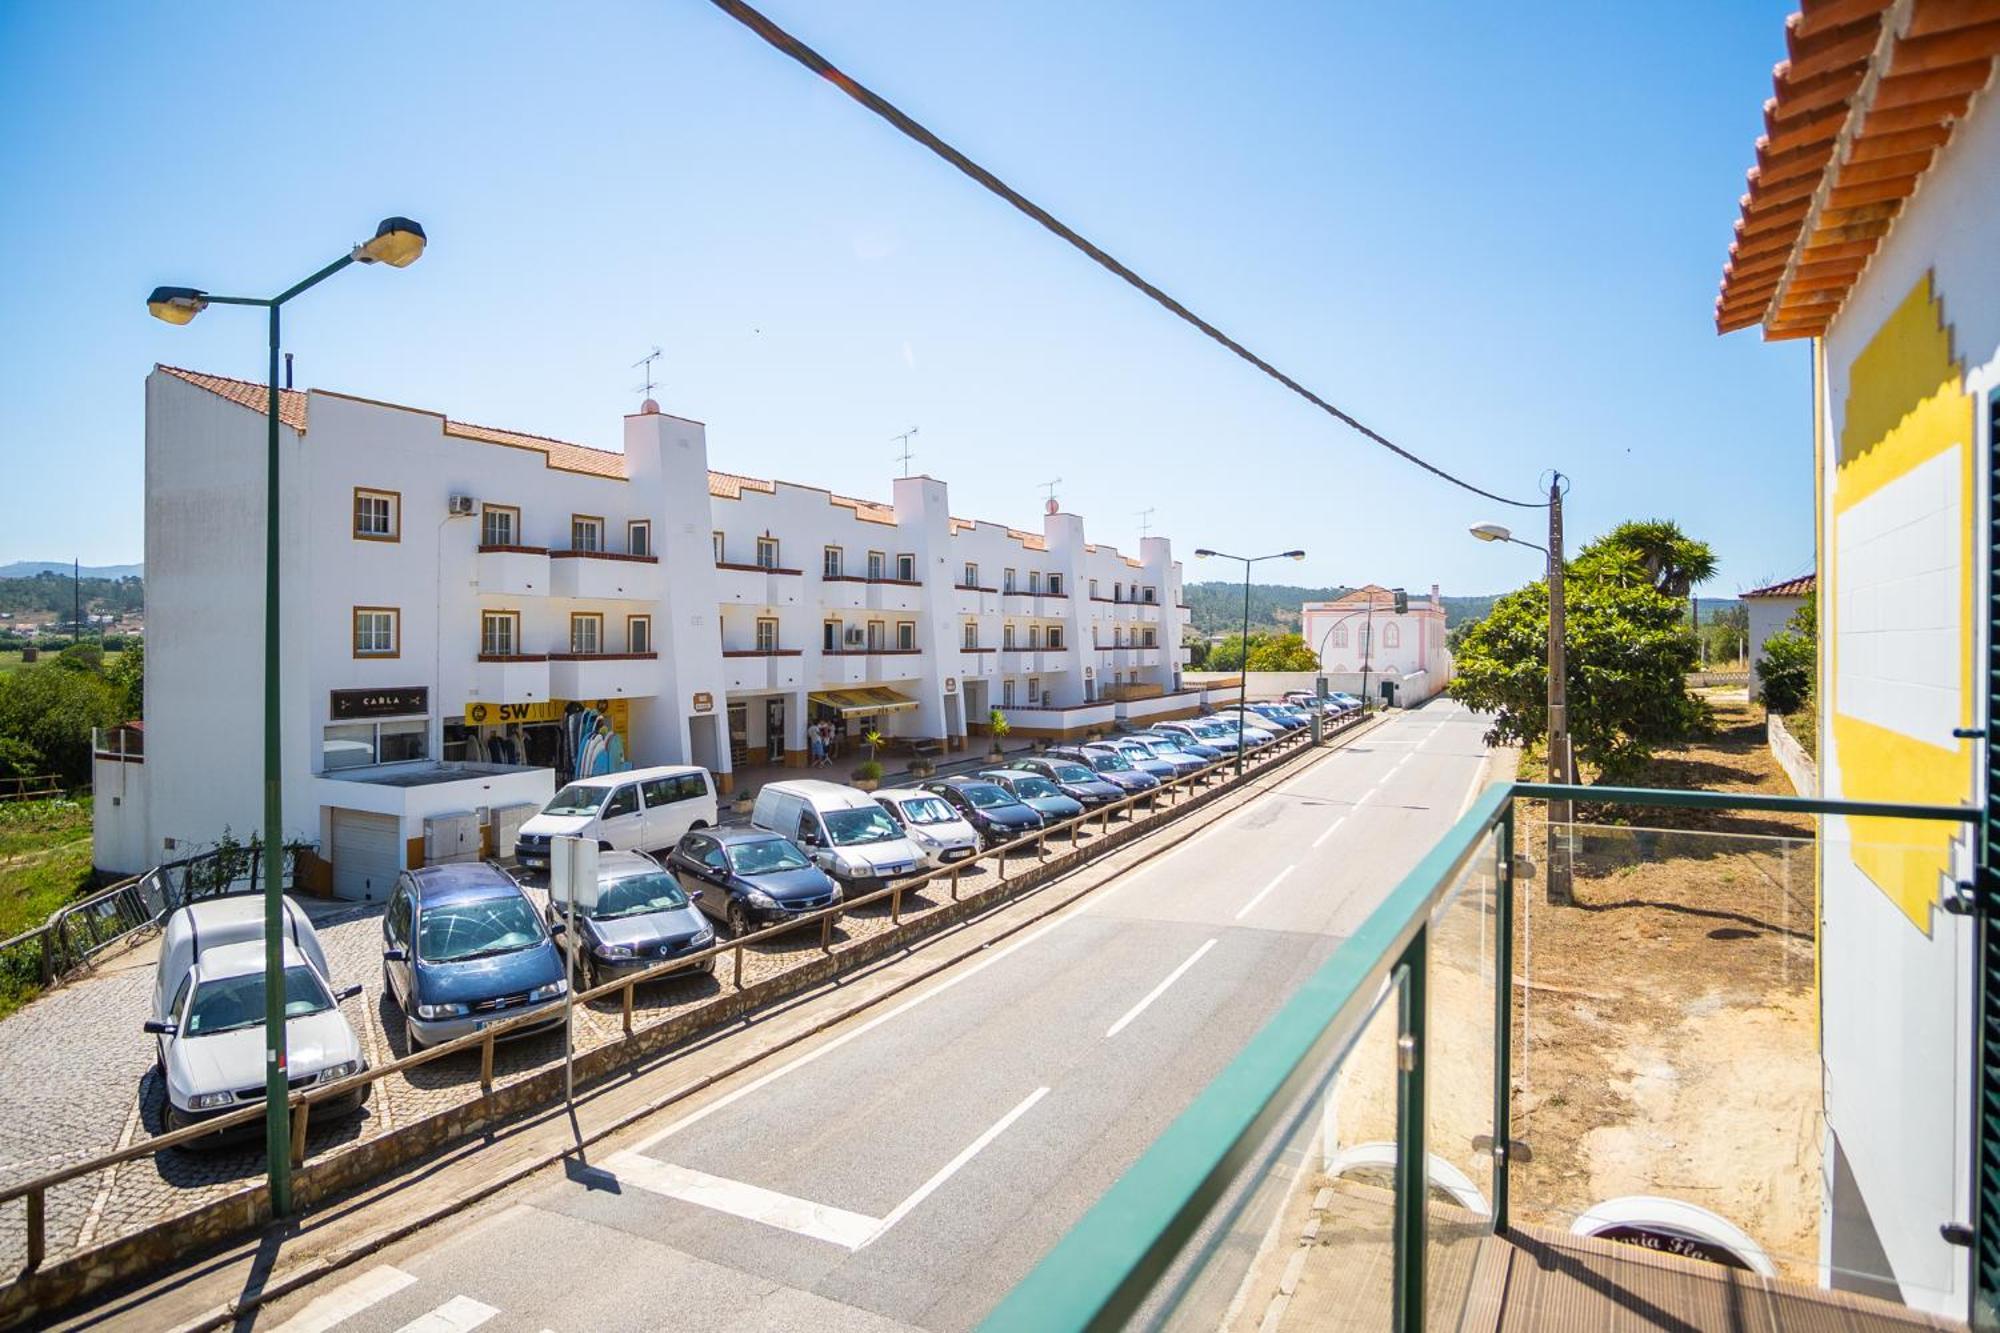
(937, 830)
(208, 1012)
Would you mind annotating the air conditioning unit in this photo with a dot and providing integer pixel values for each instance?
(462, 504)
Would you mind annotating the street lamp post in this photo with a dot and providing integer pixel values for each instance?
(397, 242)
(1561, 770)
(1243, 676)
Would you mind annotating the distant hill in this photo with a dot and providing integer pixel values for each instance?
(27, 569)
(1217, 608)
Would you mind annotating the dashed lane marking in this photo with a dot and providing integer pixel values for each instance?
(1258, 897)
(1157, 991)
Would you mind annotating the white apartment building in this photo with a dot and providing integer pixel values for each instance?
(1364, 644)
(471, 616)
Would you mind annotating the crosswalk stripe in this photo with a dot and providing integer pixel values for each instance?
(347, 1300)
(454, 1316)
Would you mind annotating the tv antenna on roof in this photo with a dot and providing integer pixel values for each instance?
(904, 438)
(1146, 522)
(647, 361)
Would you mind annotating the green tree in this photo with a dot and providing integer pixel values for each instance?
(1226, 654)
(1282, 652)
(1628, 652)
(81, 657)
(1790, 667)
(52, 708)
(128, 676)
(1675, 562)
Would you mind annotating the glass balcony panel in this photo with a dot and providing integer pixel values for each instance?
(1460, 997)
(1302, 1238)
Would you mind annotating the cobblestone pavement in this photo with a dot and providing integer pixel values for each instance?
(81, 1078)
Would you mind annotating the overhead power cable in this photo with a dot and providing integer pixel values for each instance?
(820, 65)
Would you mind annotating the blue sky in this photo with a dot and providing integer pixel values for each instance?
(1492, 232)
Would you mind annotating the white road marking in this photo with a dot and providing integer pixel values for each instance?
(971, 1150)
(347, 1300)
(1368, 796)
(454, 1316)
(1258, 897)
(1331, 829)
(741, 1199)
(1158, 990)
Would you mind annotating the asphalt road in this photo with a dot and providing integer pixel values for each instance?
(906, 1168)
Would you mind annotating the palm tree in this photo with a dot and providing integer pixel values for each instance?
(1676, 562)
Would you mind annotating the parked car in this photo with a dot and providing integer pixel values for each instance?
(1179, 765)
(841, 830)
(641, 918)
(750, 877)
(208, 1012)
(642, 810)
(1256, 730)
(1113, 767)
(1185, 743)
(1273, 717)
(1073, 778)
(1036, 792)
(938, 830)
(463, 949)
(988, 807)
(1138, 756)
(1334, 705)
(1203, 731)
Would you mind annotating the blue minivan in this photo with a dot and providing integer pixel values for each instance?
(463, 949)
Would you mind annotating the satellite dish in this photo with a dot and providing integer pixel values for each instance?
(1051, 506)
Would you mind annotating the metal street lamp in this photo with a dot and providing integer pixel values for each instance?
(1561, 768)
(1243, 676)
(397, 242)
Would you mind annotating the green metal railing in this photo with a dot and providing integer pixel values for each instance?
(1125, 1261)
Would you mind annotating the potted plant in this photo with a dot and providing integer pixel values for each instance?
(922, 767)
(868, 775)
(997, 721)
(745, 802)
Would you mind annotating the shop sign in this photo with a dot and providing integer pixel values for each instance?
(403, 701)
(704, 702)
(547, 710)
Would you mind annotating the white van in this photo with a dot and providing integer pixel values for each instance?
(844, 831)
(642, 810)
(207, 1017)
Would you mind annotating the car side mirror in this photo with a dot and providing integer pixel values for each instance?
(393, 955)
(558, 926)
(695, 897)
(347, 992)
(162, 1028)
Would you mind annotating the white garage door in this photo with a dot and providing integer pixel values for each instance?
(367, 854)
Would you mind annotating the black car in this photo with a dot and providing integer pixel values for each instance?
(1073, 778)
(641, 918)
(989, 807)
(748, 877)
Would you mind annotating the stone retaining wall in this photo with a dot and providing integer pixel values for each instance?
(1792, 757)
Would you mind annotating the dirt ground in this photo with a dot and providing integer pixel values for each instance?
(1665, 1042)
(1667, 1021)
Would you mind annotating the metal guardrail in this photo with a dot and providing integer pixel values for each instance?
(1173, 791)
(1111, 1264)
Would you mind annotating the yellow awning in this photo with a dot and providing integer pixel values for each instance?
(863, 702)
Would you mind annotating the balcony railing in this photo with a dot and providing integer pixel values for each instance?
(1342, 1171)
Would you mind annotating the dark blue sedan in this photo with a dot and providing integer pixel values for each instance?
(749, 878)
(641, 918)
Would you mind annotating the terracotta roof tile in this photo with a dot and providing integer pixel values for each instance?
(256, 397)
(1857, 119)
(1797, 587)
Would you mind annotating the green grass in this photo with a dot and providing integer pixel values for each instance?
(44, 863)
(10, 659)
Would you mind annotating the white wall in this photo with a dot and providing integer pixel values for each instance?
(1768, 615)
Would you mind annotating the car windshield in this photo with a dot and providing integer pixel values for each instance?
(483, 928)
(636, 895)
(928, 810)
(1216, 731)
(1110, 761)
(766, 856)
(1071, 772)
(985, 795)
(1036, 787)
(228, 1003)
(849, 827)
(575, 799)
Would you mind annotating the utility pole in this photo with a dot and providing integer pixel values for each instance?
(1560, 768)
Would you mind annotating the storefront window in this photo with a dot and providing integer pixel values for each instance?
(362, 744)
(348, 746)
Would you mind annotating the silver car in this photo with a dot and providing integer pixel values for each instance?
(937, 830)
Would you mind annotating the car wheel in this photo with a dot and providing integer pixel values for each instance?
(587, 968)
(739, 920)
(410, 1037)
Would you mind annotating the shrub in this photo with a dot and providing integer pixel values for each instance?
(869, 770)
